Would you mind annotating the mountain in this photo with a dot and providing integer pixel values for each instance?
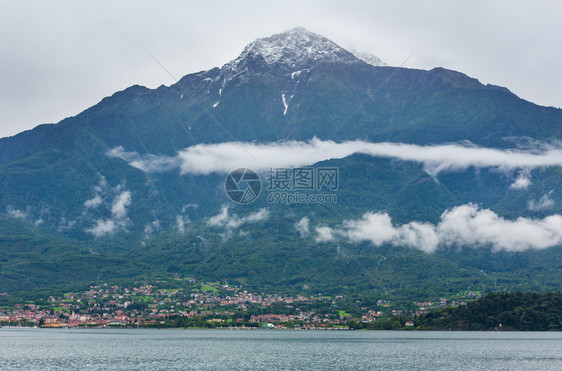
(134, 179)
(285, 54)
(369, 58)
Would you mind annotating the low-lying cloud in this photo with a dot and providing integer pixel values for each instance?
(224, 157)
(543, 203)
(303, 226)
(118, 218)
(119, 205)
(103, 227)
(181, 222)
(33, 215)
(93, 202)
(148, 163)
(151, 228)
(523, 180)
(465, 225)
(324, 234)
(229, 221)
(16, 213)
(114, 200)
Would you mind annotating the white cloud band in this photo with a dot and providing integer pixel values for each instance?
(224, 157)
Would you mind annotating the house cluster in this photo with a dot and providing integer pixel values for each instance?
(104, 306)
(427, 306)
(146, 305)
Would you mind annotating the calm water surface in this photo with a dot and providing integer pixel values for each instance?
(121, 349)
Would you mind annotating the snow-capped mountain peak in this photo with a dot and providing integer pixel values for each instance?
(297, 46)
(289, 51)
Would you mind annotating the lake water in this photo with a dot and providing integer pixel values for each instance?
(125, 349)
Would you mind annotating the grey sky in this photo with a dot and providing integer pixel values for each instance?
(61, 57)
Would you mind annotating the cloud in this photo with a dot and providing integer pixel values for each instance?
(469, 226)
(545, 202)
(229, 222)
(28, 214)
(418, 235)
(93, 202)
(120, 203)
(189, 206)
(465, 225)
(148, 163)
(224, 157)
(100, 191)
(65, 225)
(303, 226)
(523, 180)
(103, 227)
(118, 216)
(16, 213)
(378, 229)
(324, 234)
(150, 228)
(181, 222)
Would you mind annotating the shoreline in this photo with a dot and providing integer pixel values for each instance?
(272, 329)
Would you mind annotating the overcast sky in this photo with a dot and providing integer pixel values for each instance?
(61, 57)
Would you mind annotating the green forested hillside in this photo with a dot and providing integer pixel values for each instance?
(514, 311)
(31, 261)
(73, 213)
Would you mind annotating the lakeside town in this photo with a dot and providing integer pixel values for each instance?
(209, 305)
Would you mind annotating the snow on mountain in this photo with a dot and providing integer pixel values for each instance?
(369, 58)
(288, 52)
(288, 55)
(297, 46)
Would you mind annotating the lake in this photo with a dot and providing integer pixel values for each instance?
(125, 349)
